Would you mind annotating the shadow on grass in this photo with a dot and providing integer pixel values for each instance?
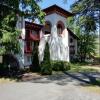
(86, 78)
(77, 79)
(86, 64)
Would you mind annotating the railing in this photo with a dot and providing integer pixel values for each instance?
(32, 37)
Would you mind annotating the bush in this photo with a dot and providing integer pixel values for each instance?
(60, 65)
(3, 69)
(46, 68)
(35, 61)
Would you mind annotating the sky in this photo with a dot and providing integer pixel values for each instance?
(47, 3)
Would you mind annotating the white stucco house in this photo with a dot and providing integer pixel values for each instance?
(62, 41)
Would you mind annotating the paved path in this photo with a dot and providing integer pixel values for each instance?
(55, 87)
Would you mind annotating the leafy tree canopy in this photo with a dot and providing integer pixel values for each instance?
(28, 8)
(9, 9)
(84, 24)
(87, 12)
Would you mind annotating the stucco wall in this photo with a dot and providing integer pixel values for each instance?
(59, 44)
(74, 43)
(22, 57)
(59, 48)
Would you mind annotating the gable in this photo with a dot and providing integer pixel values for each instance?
(56, 9)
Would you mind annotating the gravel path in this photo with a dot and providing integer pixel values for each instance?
(57, 87)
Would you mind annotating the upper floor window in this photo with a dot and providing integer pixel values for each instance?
(47, 28)
(59, 29)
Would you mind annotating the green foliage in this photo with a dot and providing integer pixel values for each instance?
(84, 24)
(60, 65)
(88, 14)
(34, 11)
(46, 68)
(86, 42)
(73, 24)
(87, 45)
(28, 8)
(9, 35)
(82, 67)
(9, 9)
(84, 7)
(35, 60)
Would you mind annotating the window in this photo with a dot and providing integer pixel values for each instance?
(46, 32)
(71, 40)
(59, 29)
(47, 28)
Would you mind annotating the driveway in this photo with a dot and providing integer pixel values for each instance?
(66, 86)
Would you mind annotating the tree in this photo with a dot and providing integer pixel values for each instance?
(86, 46)
(9, 9)
(28, 8)
(86, 42)
(9, 35)
(86, 22)
(35, 67)
(45, 64)
(87, 8)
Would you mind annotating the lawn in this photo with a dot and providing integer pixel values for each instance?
(75, 68)
(83, 67)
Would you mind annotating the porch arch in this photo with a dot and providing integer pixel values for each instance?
(60, 27)
(47, 27)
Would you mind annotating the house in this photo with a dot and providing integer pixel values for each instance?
(62, 41)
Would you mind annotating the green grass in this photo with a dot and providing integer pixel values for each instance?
(82, 67)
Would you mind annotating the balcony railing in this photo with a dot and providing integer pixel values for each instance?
(32, 37)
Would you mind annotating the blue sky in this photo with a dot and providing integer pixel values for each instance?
(47, 3)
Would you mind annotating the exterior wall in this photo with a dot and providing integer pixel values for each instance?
(22, 57)
(74, 43)
(59, 48)
(59, 45)
(27, 59)
(41, 47)
(20, 26)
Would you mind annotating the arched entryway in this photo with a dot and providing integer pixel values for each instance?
(47, 28)
(60, 28)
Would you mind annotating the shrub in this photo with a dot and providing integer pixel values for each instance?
(60, 65)
(35, 60)
(46, 68)
(3, 69)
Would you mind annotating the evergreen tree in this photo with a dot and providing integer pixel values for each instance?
(35, 59)
(46, 65)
